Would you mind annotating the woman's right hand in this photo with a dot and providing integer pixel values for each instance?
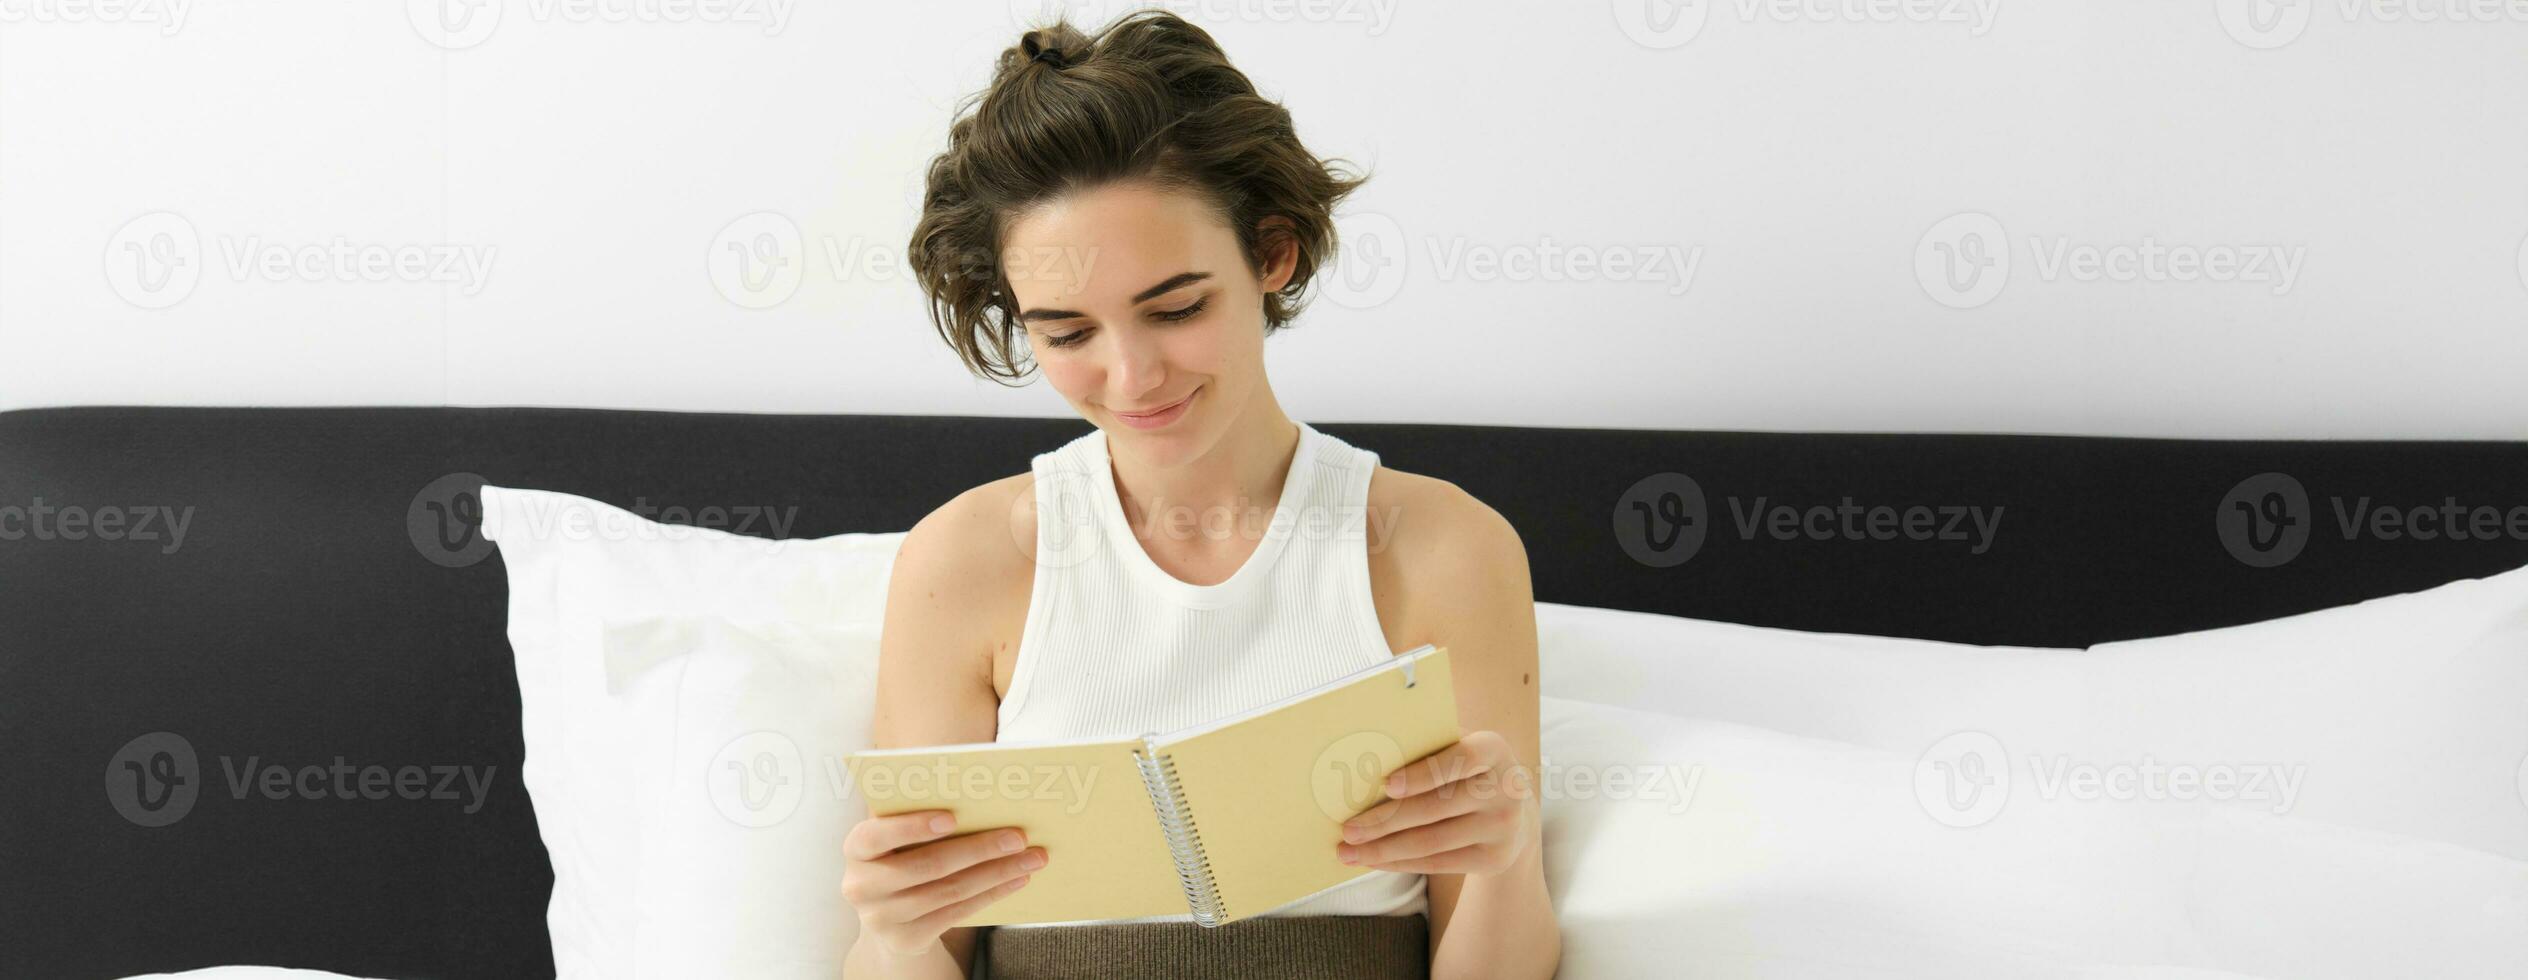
(909, 886)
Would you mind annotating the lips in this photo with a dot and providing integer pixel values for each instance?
(1160, 418)
(1156, 412)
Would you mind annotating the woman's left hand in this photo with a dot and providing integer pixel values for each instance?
(1466, 809)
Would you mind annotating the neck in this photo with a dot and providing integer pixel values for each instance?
(1240, 475)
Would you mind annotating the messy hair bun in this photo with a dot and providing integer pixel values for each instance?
(1151, 97)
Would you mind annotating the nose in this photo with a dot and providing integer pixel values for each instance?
(1140, 366)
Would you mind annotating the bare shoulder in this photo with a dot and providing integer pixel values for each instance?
(1434, 552)
(955, 599)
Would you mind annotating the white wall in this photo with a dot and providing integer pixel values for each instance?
(1805, 156)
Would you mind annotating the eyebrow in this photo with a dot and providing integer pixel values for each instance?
(1171, 284)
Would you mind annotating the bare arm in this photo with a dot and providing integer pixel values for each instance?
(935, 687)
(1468, 817)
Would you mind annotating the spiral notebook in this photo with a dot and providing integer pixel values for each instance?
(1221, 821)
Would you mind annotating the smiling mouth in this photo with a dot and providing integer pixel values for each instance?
(1161, 410)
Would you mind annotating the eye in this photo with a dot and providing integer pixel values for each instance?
(1071, 339)
(1187, 313)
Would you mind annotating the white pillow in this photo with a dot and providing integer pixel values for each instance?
(577, 566)
(1787, 856)
(244, 973)
(1899, 694)
(2406, 714)
(2409, 713)
(1797, 857)
(742, 803)
(2306, 899)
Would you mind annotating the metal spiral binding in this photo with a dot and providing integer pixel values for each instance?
(1176, 821)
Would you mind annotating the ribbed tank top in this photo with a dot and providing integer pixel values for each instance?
(1114, 644)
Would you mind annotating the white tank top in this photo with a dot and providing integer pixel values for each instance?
(1116, 645)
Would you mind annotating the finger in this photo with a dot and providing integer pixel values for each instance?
(1454, 861)
(1448, 765)
(906, 870)
(874, 837)
(924, 899)
(941, 920)
(1412, 811)
(1449, 834)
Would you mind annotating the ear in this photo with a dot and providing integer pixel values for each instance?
(1280, 253)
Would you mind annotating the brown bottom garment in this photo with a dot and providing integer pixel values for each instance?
(1305, 947)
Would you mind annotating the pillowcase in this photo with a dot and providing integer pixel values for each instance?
(1890, 692)
(1767, 854)
(2406, 714)
(2400, 714)
(741, 797)
(577, 566)
(245, 973)
(1692, 847)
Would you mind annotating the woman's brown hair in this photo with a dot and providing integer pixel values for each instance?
(1151, 97)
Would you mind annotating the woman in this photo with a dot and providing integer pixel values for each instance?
(1134, 213)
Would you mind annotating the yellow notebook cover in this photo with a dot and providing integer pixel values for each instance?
(1222, 821)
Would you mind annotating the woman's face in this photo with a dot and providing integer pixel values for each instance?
(1136, 300)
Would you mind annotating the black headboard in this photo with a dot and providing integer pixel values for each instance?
(323, 602)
